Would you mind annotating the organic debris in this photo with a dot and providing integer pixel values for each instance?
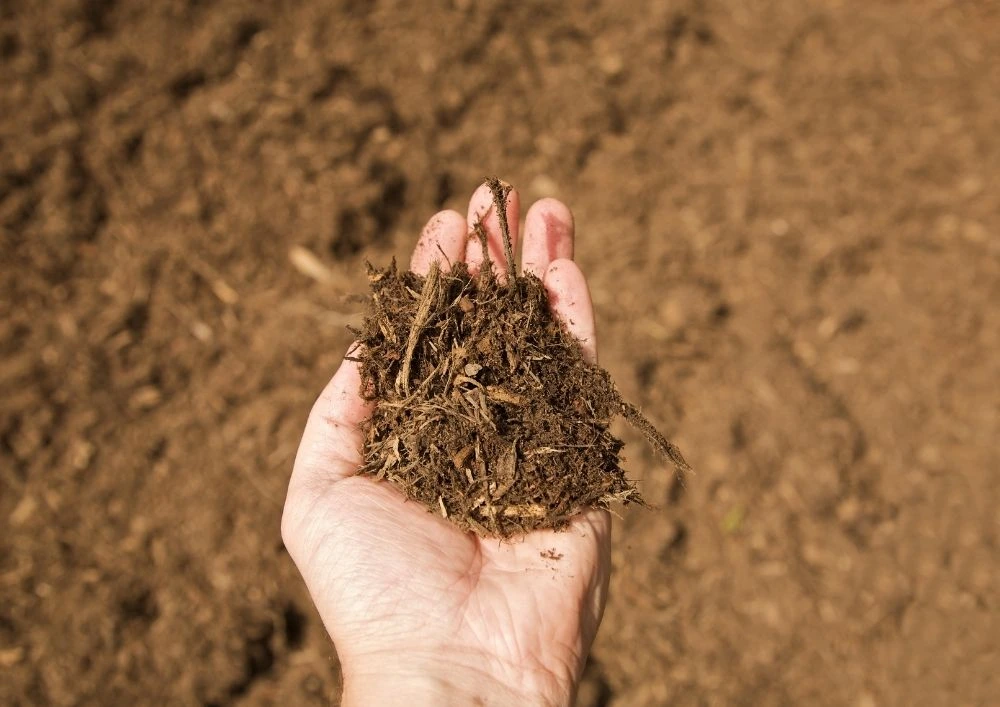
(485, 410)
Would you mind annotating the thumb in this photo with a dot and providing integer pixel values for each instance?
(330, 449)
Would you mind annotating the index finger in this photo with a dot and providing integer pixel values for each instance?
(482, 208)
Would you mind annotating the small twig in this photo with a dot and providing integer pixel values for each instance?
(428, 296)
(661, 444)
(220, 288)
(424, 385)
(444, 255)
(486, 273)
(500, 191)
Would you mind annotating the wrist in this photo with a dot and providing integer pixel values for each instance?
(404, 678)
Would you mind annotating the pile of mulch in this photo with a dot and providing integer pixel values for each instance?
(485, 410)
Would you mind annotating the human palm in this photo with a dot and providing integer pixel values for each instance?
(419, 610)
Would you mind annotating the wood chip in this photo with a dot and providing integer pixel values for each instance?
(502, 395)
(530, 510)
(307, 263)
(506, 472)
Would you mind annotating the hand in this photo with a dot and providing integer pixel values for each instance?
(421, 612)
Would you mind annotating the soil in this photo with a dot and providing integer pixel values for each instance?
(788, 213)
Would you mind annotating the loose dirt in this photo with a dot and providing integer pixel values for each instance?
(787, 213)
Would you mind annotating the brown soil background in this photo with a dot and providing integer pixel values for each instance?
(789, 213)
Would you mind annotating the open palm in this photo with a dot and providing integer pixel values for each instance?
(420, 611)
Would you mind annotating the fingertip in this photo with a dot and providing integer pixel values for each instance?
(548, 235)
(558, 216)
(442, 239)
(481, 209)
(569, 297)
(480, 204)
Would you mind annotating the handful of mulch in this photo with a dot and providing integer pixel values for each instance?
(485, 410)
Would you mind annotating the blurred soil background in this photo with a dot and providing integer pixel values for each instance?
(789, 213)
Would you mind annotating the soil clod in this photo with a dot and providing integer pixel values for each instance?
(485, 410)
